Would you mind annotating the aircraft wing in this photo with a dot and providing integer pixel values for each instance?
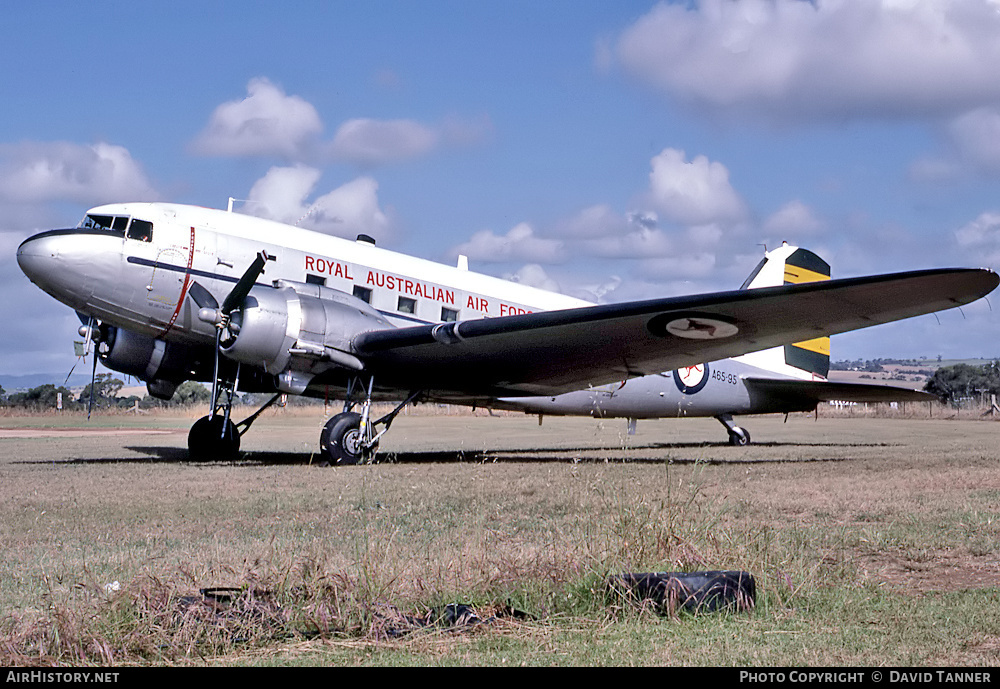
(806, 393)
(558, 351)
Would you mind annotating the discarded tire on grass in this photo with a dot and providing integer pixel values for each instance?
(693, 592)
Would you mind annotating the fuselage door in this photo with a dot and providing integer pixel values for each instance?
(171, 255)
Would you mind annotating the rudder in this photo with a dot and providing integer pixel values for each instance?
(790, 265)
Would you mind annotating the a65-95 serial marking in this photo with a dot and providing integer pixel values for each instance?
(724, 377)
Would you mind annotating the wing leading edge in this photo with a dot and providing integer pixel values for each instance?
(558, 351)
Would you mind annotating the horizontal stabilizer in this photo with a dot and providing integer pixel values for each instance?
(812, 391)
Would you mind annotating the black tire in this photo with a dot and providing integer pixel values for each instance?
(739, 437)
(208, 443)
(693, 592)
(339, 443)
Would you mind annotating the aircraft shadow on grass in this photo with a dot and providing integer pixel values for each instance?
(574, 455)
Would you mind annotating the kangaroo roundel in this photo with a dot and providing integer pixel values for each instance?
(691, 379)
(692, 326)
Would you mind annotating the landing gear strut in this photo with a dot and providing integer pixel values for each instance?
(352, 438)
(737, 436)
(215, 437)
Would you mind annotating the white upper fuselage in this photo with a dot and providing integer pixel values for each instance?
(142, 285)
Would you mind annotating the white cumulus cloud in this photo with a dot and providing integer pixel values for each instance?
(519, 244)
(984, 230)
(980, 239)
(350, 209)
(369, 143)
(266, 122)
(534, 275)
(695, 192)
(976, 136)
(641, 242)
(593, 222)
(794, 219)
(63, 171)
(827, 58)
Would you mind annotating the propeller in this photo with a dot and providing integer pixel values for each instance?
(93, 381)
(93, 334)
(211, 313)
(242, 288)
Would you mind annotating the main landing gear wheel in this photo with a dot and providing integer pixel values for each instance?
(340, 442)
(739, 436)
(208, 442)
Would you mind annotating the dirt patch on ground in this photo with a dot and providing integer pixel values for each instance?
(938, 572)
(78, 432)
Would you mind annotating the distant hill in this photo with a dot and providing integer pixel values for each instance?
(923, 363)
(12, 383)
(911, 373)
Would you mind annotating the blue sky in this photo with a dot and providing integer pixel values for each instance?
(610, 150)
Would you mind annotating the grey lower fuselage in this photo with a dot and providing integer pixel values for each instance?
(715, 389)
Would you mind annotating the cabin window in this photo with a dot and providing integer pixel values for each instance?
(315, 279)
(448, 315)
(406, 305)
(141, 230)
(363, 293)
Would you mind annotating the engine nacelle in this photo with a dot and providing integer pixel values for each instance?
(161, 364)
(295, 325)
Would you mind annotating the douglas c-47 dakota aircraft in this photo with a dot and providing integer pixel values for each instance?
(172, 293)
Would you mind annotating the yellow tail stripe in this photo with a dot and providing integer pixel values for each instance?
(819, 345)
(797, 275)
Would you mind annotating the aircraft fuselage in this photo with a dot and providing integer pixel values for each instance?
(149, 268)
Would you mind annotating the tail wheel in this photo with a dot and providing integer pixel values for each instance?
(340, 443)
(213, 438)
(739, 436)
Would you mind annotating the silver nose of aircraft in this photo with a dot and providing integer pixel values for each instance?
(38, 256)
(55, 261)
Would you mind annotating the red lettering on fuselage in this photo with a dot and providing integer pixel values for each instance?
(478, 303)
(508, 310)
(410, 287)
(327, 267)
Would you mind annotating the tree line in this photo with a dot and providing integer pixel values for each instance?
(106, 389)
(964, 381)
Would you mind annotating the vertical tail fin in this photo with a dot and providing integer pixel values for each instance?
(790, 265)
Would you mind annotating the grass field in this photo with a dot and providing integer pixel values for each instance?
(873, 541)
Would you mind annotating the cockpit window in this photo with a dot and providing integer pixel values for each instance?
(114, 224)
(141, 230)
(97, 222)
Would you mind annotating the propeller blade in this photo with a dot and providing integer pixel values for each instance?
(93, 380)
(242, 288)
(202, 297)
(215, 376)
